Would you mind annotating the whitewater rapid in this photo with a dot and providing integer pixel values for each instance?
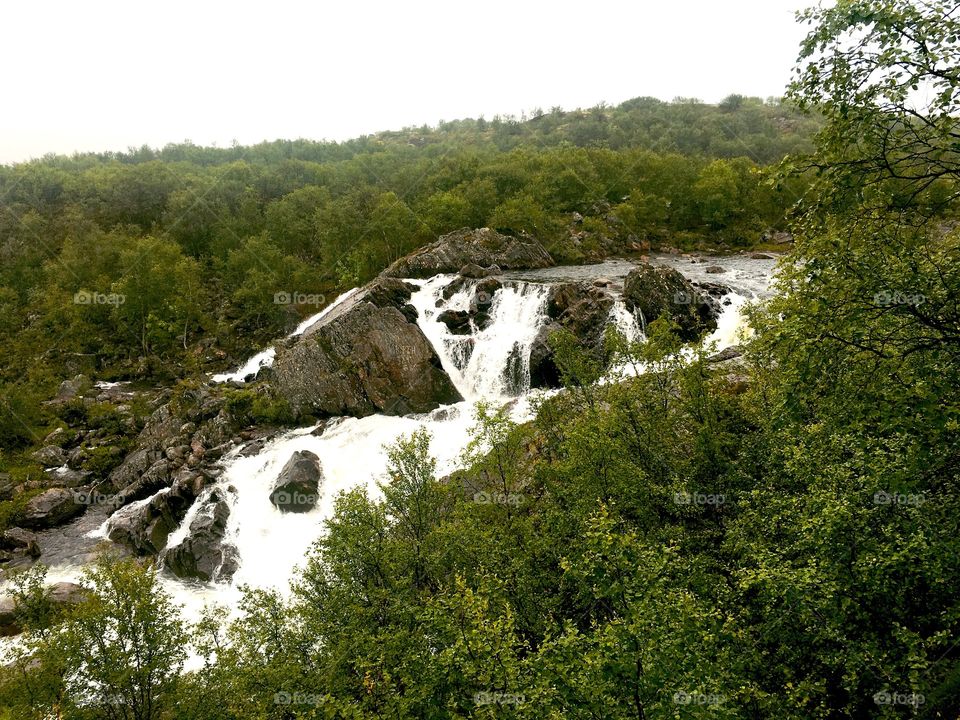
(489, 365)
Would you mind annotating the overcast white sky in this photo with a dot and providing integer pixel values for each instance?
(100, 75)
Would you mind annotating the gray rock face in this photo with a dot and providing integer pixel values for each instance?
(19, 543)
(50, 456)
(361, 359)
(483, 247)
(581, 308)
(655, 291)
(51, 508)
(145, 529)
(203, 554)
(297, 487)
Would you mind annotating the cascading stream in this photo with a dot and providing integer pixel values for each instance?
(489, 364)
(493, 363)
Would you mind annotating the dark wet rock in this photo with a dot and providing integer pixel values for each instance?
(457, 321)
(387, 292)
(20, 542)
(653, 291)
(714, 269)
(154, 479)
(361, 359)
(580, 308)
(203, 554)
(483, 247)
(761, 256)
(133, 467)
(252, 448)
(297, 486)
(51, 508)
(145, 529)
(543, 369)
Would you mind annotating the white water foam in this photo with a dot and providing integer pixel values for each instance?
(484, 365)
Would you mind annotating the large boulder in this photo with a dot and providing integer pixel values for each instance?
(50, 456)
(203, 554)
(297, 486)
(361, 359)
(61, 595)
(51, 508)
(19, 540)
(145, 528)
(652, 291)
(483, 247)
(582, 309)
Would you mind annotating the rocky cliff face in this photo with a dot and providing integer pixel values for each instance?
(368, 356)
(483, 247)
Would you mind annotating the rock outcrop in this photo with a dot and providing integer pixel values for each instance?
(145, 528)
(297, 487)
(51, 508)
(366, 356)
(18, 545)
(481, 248)
(203, 554)
(653, 291)
(581, 308)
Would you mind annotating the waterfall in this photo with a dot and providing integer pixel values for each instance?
(492, 363)
(489, 361)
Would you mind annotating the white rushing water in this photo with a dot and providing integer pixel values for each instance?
(490, 364)
(493, 363)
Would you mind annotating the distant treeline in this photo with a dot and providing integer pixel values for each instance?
(160, 260)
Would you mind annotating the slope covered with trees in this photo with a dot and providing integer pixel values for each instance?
(779, 541)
